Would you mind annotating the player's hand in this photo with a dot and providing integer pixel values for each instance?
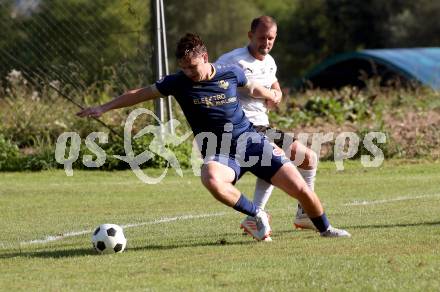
(93, 112)
(270, 104)
(276, 98)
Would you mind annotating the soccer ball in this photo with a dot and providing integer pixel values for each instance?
(109, 238)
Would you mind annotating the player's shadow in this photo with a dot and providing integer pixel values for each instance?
(50, 253)
(379, 226)
(221, 242)
(307, 233)
(80, 252)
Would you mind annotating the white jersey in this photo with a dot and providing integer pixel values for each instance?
(261, 72)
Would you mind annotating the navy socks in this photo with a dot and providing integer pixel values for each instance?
(321, 222)
(245, 206)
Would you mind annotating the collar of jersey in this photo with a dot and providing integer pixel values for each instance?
(214, 71)
(249, 52)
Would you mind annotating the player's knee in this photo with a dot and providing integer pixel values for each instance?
(311, 159)
(206, 179)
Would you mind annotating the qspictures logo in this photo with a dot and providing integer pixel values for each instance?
(346, 146)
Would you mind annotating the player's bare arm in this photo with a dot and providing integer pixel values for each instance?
(275, 86)
(257, 91)
(127, 99)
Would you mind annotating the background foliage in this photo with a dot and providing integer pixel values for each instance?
(95, 50)
(101, 38)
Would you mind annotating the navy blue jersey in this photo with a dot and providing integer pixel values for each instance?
(208, 105)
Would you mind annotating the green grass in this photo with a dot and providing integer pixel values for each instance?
(395, 243)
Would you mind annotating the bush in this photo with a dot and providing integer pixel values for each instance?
(33, 117)
(115, 146)
(8, 152)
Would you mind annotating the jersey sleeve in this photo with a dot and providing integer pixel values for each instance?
(167, 85)
(224, 59)
(241, 77)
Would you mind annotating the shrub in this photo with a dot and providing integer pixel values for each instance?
(32, 116)
(8, 152)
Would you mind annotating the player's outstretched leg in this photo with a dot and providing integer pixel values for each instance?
(306, 160)
(289, 180)
(218, 179)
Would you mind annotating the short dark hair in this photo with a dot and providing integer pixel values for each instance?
(265, 20)
(190, 44)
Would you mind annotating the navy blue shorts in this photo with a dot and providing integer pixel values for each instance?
(260, 158)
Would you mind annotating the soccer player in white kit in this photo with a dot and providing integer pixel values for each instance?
(260, 67)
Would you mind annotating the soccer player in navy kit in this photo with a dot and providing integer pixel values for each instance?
(207, 95)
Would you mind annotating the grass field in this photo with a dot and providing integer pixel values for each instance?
(181, 239)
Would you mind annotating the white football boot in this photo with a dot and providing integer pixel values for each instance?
(335, 232)
(302, 220)
(258, 227)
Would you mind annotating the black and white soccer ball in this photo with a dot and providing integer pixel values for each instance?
(109, 238)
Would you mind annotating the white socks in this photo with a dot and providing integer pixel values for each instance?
(263, 189)
(309, 176)
(262, 193)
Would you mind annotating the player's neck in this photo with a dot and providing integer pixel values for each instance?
(210, 71)
(255, 54)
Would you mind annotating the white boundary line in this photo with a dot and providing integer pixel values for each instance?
(407, 198)
(130, 225)
(51, 238)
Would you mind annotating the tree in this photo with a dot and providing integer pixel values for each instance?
(223, 25)
(301, 39)
(80, 41)
(416, 26)
(317, 29)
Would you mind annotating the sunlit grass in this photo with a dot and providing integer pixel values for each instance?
(392, 213)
